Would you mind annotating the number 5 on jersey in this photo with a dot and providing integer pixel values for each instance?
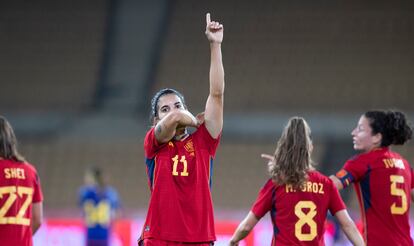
(398, 192)
(175, 164)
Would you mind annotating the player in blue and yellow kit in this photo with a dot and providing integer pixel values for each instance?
(100, 204)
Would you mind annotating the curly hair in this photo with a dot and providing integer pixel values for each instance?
(393, 126)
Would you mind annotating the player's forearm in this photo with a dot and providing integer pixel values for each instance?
(241, 232)
(185, 118)
(216, 71)
(353, 234)
(37, 216)
(349, 228)
(166, 129)
(244, 228)
(412, 195)
(35, 227)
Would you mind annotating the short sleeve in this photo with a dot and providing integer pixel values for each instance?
(37, 194)
(335, 202)
(208, 141)
(353, 171)
(263, 203)
(151, 145)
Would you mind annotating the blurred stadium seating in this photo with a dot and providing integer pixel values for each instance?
(326, 60)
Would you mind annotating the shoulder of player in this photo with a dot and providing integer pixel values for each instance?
(111, 190)
(149, 132)
(30, 167)
(316, 176)
(269, 184)
(362, 158)
(201, 130)
(25, 165)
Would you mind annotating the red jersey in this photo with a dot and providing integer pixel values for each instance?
(383, 181)
(179, 176)
(19, 189)
(298, 216)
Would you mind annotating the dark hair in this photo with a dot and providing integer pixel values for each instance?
(98, 176)
(393, 126)
(292, 158)
(156, 98)
(8, 142)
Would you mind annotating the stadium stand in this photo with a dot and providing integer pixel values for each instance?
(50, 54)
(281, 58)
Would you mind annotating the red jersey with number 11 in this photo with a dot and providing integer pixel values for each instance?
(383, 182)
(298, 216)
(19, 189)
(179, 176)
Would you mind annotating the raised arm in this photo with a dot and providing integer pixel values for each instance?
(214, 107)
(244, 228)
(174, 121)
(349, 228)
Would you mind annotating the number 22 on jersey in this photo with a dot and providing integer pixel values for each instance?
(14, 193)
(182, 161)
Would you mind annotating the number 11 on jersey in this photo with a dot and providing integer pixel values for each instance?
(175, 164)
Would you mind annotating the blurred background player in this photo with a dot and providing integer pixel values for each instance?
(21, 197)
(100, 203)
(179, 164)
(383, 179)
(297, 196)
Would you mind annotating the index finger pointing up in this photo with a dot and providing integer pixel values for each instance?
(208, 20)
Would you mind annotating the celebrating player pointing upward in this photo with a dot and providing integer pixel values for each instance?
(179, 164)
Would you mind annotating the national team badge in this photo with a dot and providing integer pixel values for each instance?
(189, 146)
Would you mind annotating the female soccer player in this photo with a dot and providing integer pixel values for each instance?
(297, 196)
(21, 209)
(179, 164)
(100, 204)
(383, 179)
